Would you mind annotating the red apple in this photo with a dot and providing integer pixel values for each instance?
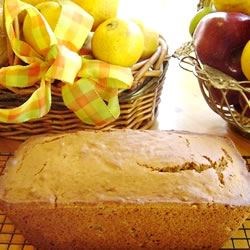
(231, 96)
(219, 40)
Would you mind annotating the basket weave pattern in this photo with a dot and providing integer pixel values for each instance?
(224, 95)
(138, 105)
(227, 97)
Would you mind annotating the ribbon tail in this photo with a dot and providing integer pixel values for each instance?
(35, 107)
(20, 76)
(84, 100)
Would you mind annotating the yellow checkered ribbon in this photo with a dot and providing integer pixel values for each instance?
(90, 87)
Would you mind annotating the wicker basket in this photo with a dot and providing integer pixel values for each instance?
(224, 95)
(138, 105)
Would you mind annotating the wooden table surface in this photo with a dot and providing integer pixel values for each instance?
(182, 105)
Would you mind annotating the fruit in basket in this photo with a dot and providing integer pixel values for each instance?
(33, 2)
(245, 105)
(218, 91)
(245, 60)
(151, 39)
(242, 6)
(101, 10)
(198, 16)
(219, 40)
(231, 96)
(54, 14)
(31, 39)
(118, 41)
(51, 11)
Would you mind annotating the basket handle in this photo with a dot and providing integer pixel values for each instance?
(187, 60)
(188, 63)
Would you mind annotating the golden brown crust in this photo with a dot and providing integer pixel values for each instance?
(127, 166)
(127, 226)
(126, 190)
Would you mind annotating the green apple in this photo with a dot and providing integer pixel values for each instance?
(198, 16)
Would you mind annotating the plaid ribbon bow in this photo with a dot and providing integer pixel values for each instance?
(90, 87)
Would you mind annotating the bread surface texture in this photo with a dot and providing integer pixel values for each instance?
(126, 189)
(127, 166)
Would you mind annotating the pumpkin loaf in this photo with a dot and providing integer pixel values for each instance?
(126, 189)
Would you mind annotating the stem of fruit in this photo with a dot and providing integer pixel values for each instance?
(205, 3)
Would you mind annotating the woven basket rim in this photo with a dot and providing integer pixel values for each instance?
(220, 80)
(210, 80)
(215, 77)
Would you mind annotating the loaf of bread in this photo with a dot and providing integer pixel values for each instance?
(126, 189)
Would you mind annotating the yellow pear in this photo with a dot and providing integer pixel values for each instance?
(151, 39)
(31, 38)
(51, 11)
(101, 10)
(34, 2)
(242, 6)
(118, 41)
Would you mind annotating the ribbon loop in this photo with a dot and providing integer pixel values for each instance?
(90, 87)
(37, 32)
(35, 107)
(73, 26)
(83, 98)
(28, 50)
